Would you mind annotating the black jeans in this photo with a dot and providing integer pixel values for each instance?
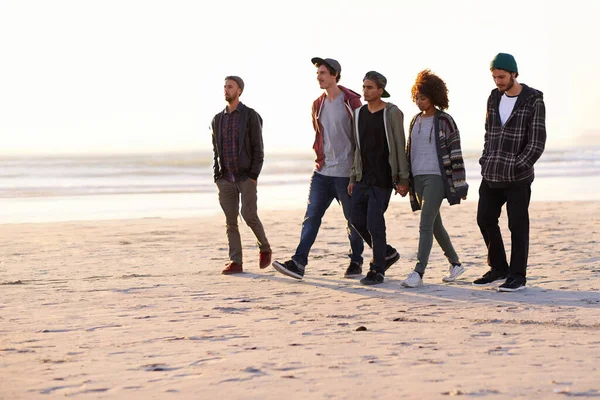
(516, 196)
(369, 204)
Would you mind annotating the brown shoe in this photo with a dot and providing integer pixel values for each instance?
(233, 268)
(264, 259)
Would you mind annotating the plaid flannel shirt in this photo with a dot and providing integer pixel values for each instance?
(510, 150)
(230, 134)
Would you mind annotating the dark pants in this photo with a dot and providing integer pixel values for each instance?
(369, 204)
(229, 198)
(517, 197)
(323, 190)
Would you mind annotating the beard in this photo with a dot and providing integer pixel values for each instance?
(230, 98)
(510, 84)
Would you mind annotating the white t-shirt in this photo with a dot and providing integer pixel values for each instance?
(507, 103)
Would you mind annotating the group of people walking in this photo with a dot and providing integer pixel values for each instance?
(363, 155)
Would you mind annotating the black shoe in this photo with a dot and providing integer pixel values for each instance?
(491, 276)
(373, 278)
(512, 284)
(353, 270)
(391, 258)
(289, 268)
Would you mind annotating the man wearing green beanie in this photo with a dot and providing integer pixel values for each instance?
(515, 137)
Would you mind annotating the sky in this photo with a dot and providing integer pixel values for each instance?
(131, 76)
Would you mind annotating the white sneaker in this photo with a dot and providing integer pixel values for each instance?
(413, 280)
(454, 272)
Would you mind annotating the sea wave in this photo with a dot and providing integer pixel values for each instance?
(192, 172)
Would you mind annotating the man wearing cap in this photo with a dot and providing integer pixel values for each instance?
(334, 146)
(238, 159)
(379, 166)
(515, 137)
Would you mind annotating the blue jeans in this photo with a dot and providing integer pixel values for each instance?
(369, 204)
(323, 190)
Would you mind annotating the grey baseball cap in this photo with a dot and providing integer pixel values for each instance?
(318, 61)
(379, 80)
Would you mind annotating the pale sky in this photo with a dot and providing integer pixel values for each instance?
(138, 76)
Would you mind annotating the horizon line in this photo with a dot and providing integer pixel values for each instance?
(121, 153)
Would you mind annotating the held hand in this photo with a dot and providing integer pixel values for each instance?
(464, 197)
(350, 188)
(401, 190)
(253, 180)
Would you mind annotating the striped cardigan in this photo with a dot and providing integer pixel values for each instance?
(510, 150)
(452, 166)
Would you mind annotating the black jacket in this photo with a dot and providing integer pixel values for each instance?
(251, 154)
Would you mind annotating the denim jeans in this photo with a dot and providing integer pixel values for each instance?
(323, 190)
(369, 204)
(516, 196)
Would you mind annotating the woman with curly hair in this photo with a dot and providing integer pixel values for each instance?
(436, 172)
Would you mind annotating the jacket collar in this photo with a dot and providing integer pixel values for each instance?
(240, 108)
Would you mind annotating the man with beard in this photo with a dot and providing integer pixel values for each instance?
(515, 138)
(334, 145)
(238, 159)
(379, 166)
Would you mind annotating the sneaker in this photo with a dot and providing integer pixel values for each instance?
(391, 259)
(264, 259)
(454, 272)
(289, 268)
(413, 280)
(233, 268)
(491, 276)
(354, 270)
(373, 278)
(512, 284)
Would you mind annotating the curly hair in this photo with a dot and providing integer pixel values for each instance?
(431, 86)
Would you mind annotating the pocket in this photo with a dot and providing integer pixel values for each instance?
(507, 166)
(485, 162)
(249, 183)
(499, 166)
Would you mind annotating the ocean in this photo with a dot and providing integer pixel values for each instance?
(77, 187)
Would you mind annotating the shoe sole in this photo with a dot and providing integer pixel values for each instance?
(408, 286)
(450, 279)
(282, 269)
(489, 283)
(501, 289)
(369, 283)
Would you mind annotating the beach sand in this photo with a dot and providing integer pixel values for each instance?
(138, 309)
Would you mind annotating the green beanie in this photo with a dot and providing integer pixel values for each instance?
(504, 61)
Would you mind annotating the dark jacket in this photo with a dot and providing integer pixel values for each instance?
(393, 120)
(452, 166)
(251, 154)
(510, 151)
(352, 102)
